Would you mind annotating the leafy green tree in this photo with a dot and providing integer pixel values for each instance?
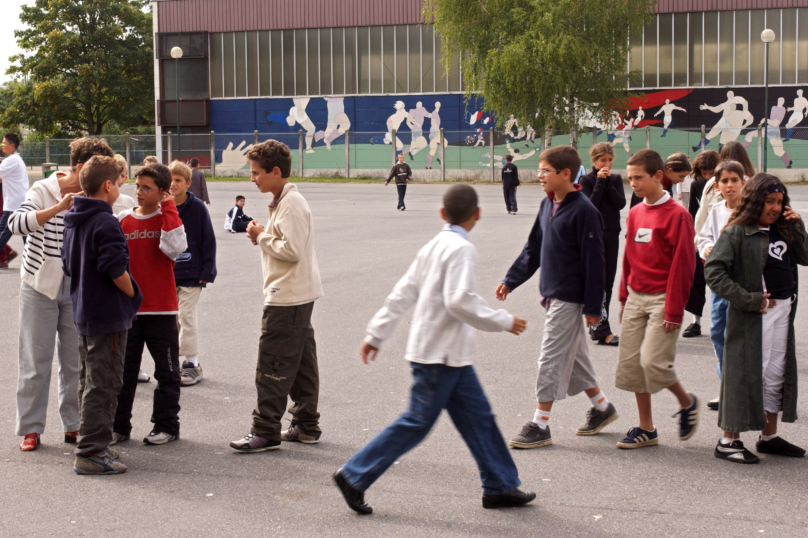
(87, 63)
(547, 62)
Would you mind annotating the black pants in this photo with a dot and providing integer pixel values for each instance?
(287, 368)
(101, 376)
(159, 333)
(240, 225)
(402, 190)
(698, 291)
(611, 247)
(510, 198)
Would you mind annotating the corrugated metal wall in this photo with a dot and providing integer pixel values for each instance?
(683, 6)
(241, 15)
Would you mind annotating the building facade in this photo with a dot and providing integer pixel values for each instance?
(370, 66)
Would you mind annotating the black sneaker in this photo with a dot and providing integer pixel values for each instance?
(255, 443)
(694, 329)
(597, 420)
(639, 438)
(354, 497)
(713, 404)
(531, 436)
(779, 447)
(516, 497)
(735, 452)
(688, 419)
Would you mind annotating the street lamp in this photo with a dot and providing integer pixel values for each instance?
(176, 53)
(767, 36)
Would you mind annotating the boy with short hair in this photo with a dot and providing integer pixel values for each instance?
(567, 243)
(199, 187)
(510, 180)
(236, 220)
(193, 269)
(658, 267)
(440, 285)
(156, 237)
(123, 202)
(14, 179)
(287, 353)
(402, 173)
(96, 259)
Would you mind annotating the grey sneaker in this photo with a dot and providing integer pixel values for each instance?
(597, 420)
(254, 443)
(114, 454)
(118, 438)
(294, 433)
(190, 375)
(531, 436)
(143, 377)
(160, 438)
(98, 464)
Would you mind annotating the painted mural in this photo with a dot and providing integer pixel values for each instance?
(675, 117)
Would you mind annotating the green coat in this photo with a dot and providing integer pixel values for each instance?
(734, 270)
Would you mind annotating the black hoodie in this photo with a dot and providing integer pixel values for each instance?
(93, 254)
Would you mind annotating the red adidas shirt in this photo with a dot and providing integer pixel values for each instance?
(660, 255)
(155, 241)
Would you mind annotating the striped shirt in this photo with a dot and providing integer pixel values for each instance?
(42, 263)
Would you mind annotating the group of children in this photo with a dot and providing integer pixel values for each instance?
(154, 259)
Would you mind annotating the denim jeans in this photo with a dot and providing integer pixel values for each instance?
(437, 387)
(718, 327)
(5, 230)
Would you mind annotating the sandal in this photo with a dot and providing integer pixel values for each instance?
(30, 442)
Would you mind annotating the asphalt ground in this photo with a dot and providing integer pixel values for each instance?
(199, 487)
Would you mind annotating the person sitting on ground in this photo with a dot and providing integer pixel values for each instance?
(440, 285)
(236, 220)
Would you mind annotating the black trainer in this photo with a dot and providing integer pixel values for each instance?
(688, 419)
(694, 329)
(516, 497)
(354, 497)
(779, 447)
(531, 436)
(597, 420)
(735, 452)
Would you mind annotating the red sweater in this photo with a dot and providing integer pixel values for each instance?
(659, 255)
(155, 241)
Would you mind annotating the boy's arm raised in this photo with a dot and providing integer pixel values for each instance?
(172, 235)
(467, 306)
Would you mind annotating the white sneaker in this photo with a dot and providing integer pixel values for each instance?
(159, 438)
(143, 377)
(190, 375)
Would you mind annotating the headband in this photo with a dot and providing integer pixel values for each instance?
(775, 187)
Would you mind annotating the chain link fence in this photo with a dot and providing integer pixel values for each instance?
(466, 154)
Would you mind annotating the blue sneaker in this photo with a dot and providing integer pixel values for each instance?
(688, 419)
(639, 438)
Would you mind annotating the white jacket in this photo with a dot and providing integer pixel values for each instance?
(716, 221)
(709, 197)
(291, 273)
(440, 283)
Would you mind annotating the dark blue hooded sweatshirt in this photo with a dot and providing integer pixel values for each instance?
(93, 254)
(198, 262)
(569, 249)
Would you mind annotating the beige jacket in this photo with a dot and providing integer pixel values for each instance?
(709, 198)
(291, 273)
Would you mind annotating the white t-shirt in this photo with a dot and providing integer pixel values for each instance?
(15, 181)
(123, 203)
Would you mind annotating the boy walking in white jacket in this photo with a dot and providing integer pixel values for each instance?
(440, 284)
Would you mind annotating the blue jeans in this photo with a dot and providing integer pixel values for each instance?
(718, 327)
(5, 231)
(437, 387)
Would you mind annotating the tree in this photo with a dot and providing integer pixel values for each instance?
(547, 62)
(87, 62)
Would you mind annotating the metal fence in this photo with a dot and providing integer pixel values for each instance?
(446, 153)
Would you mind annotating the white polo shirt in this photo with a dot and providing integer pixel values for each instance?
(15, 181)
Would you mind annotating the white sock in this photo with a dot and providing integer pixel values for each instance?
(192, 360)
(727, 440)
(768, 437)
(696, 319)
(541, 418)
(599, 401)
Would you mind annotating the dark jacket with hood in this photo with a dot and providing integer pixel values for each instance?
(93, 254)
(568, 246)
(510, 176)
(198, 262)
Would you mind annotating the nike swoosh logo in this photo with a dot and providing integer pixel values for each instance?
(640, 236)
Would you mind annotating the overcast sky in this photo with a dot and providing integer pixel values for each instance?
(9, 22)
